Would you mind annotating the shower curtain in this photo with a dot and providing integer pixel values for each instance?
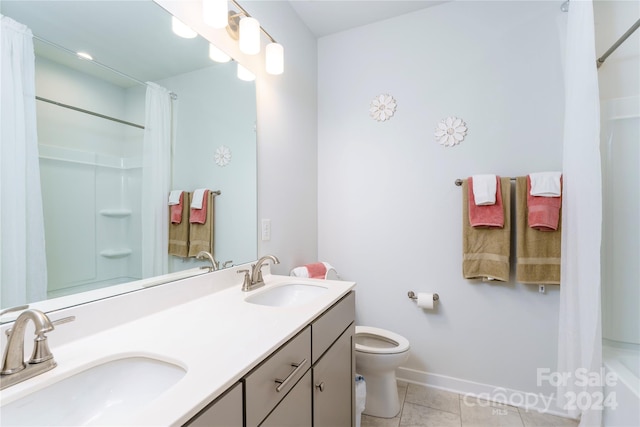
(579, 337)
(156, 180)
(23, 265)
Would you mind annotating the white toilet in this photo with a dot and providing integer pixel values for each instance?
(378, 353)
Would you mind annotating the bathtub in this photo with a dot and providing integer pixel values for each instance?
(625, 363)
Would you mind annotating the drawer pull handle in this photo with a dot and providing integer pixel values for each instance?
(320, 386)
(283, 383)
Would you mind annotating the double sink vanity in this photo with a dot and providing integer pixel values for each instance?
(198, 351)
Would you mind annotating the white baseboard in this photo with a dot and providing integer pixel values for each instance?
(517, 398)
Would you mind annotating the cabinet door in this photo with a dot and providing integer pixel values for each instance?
(225, 411)
(334, 384)
(295, 409)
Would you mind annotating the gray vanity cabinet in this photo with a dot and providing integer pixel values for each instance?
(308, 381)
(333, 368)
(225, 411)
(333, 384)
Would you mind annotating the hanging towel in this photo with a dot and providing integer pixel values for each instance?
(537, 253)
(201, 233)
(491, 216)
(176, 205)
(179, 232)
(546, 184)
(485, 251)
(543, 212)
(484, 189)
(198, 215)
(317, 270)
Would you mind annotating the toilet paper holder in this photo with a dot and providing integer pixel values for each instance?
(413, 296)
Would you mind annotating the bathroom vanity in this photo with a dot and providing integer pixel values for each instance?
(307, 381)
(280, 355)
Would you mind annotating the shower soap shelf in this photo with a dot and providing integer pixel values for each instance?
(116, 213)
(116, 253)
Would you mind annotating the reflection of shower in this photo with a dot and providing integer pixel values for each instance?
(91, 180)
(91, 168)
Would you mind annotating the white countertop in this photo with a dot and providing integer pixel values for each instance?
(217, 338)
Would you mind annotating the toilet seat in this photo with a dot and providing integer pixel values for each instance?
(379, 341)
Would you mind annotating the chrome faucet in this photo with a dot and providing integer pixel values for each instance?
(14, 368)
(215, 265)
(255, 280)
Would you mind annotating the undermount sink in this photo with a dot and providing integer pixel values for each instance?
(106, 394)
(286, 295)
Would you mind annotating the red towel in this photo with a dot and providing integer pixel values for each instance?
(543, 212)
(486, 216)
(199, 216)
(317, 270)
(176, 211)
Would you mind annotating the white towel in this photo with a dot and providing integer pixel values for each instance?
(198, 196)
(174, 197)
(484, 189)
(546, 184)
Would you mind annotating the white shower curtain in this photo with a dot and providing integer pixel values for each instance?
(580, 336)
(23, 264)
(156, 180)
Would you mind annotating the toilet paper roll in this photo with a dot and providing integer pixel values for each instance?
(425, 300)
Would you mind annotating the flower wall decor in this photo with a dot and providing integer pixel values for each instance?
(451, 131)
(223, 156)
(382, 107)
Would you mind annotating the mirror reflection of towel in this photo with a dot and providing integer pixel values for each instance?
(179, 232)
(199, 215)
(201, 233)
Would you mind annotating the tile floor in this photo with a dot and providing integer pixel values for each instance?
(426, 406)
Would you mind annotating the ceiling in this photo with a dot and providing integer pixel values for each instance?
(135, 38)
(324, 17)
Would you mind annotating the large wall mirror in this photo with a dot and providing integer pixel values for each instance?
(90, 165)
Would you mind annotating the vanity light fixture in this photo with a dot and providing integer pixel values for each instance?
(215, 13)
(182, 30)
(249, 40)
(243, 27)
(274, 58)
(244, 74)
(217, 55)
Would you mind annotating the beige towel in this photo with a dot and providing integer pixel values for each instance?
(485, 251)
(179, 233)
(537, 252)
(201, 235)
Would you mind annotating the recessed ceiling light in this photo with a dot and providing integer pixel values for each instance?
(85, 55)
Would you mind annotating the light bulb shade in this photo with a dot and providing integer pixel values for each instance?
(181, 29)
(215, 13)
(274, 54)
(244, 74)
(249, 36)
(217, 55)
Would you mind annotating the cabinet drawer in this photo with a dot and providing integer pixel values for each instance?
(272, 380)
(328, 327)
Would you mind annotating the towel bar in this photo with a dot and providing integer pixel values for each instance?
(459, 181)
(413, 296)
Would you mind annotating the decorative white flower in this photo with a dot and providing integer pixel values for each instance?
(451, 131)
(223, 156)
(382, 107)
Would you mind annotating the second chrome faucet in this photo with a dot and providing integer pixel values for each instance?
(255, 280)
